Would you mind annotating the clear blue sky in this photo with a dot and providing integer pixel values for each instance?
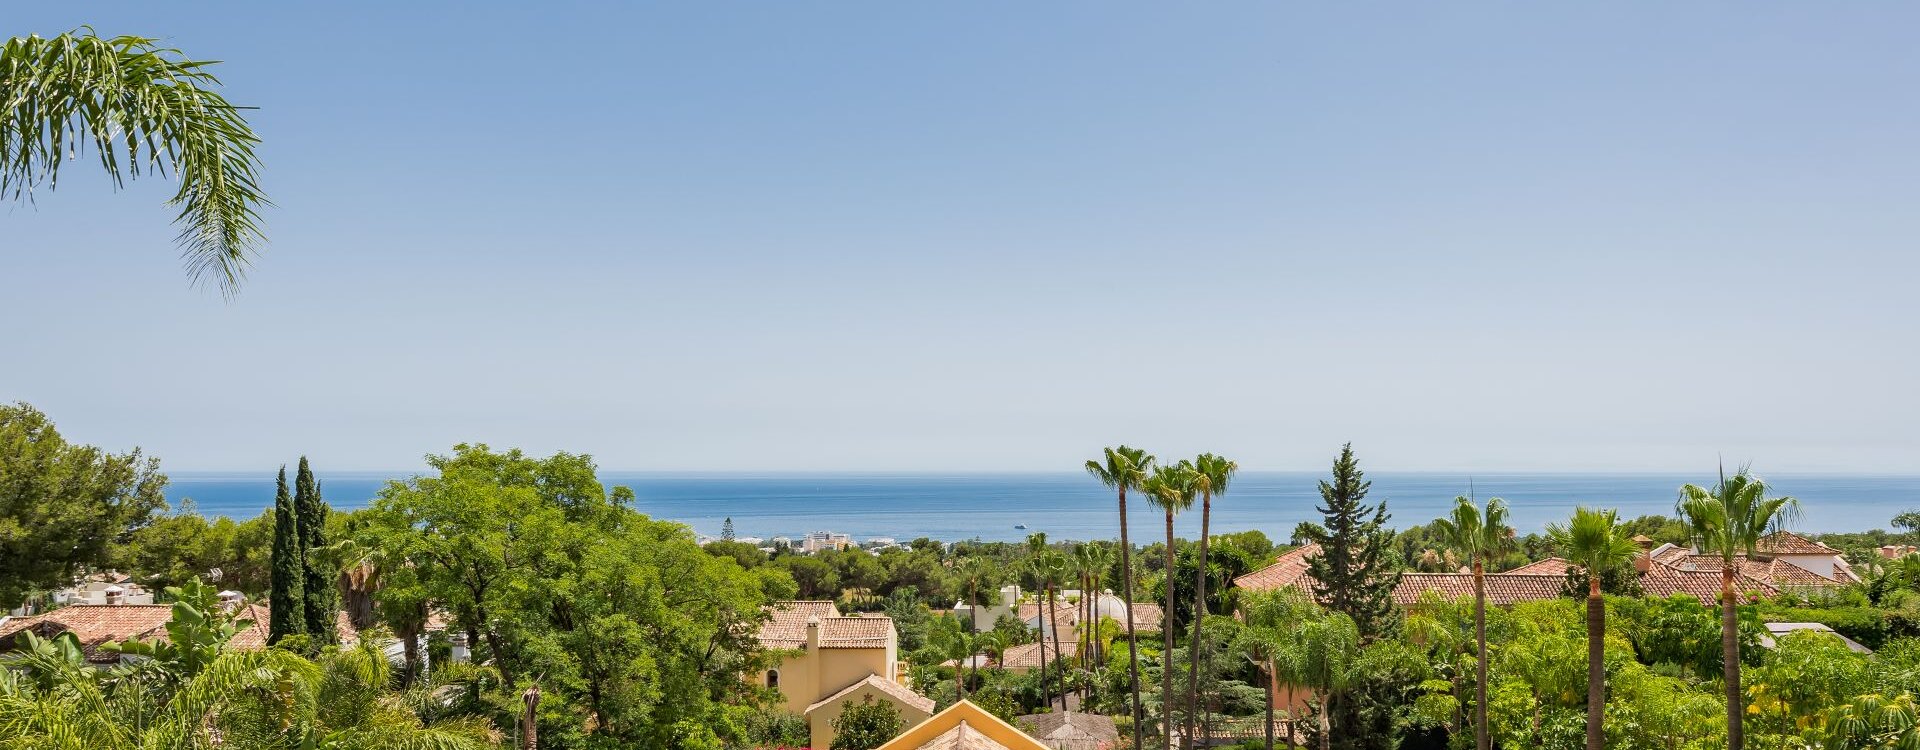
(996, 236)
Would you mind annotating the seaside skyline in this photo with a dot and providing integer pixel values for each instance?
(874, 236)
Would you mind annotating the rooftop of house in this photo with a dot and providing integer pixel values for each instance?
(787, 626)
(1288, 570)
(1789, 543)
(1071, 730)
(96, 625)
(1772, 571)
(898, 691)
(1552, 566)
(1503, 589)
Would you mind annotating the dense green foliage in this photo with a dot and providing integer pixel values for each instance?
(62, 505)
(287, 603)
(866, 725)
(319, 599)
(635, 634)
(1353, 572)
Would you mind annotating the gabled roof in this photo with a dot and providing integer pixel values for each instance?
(964, 726)
(1503, 589)
(897, 691)
(1772, 571)
(1028, 655)
(1789, 543)
(1147, 616)
(1664, 580)
(96, 625)
(1552, 566)
(1063, 612)
(1071, 730)
(1289, 569)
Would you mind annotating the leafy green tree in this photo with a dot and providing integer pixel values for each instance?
(142, 108)
(1594, 540)
(1478, 535)
(1122, 469)
(1211, 475)
(1271, 617)
(817, 579)
(63, 506)
(1352, 574)
(637, 635)
(320, 598)
(1319, 655)
(1171, 489)
(866, 726)
(1728, 520)
(286, 606)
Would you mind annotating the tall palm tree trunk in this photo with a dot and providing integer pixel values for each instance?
(1730, 656)
(1326, 729)
(1199, 614)
(1480, 738)
(1045, 697)
(1166, 658)
(1270, 679)
(1596, 663)
(1059, 661)
(1133, 644)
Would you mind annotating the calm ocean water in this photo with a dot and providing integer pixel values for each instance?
(1073, 506)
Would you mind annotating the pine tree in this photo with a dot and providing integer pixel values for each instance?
(1351, 575)
(320, 599)
(726, 529)
(286, 608)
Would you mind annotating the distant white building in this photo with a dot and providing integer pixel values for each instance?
(109, 588)
(825, 540)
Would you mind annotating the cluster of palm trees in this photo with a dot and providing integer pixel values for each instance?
(1173, 488)
(1727, 519)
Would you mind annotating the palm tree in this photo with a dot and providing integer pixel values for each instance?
(1047, 566)
(1211, 475)
(142, 108)
(1479, 536)
(1319, 655)
(1122, 469)
(1270, 618)
(1594, 540)
(1170, 489)
(1093, 560)
(1729, 520)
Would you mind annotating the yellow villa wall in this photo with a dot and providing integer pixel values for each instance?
(811, 675)
(820, 723)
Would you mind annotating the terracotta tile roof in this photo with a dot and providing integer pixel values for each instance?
(962, 737)
(787, 628)
(1071, 730)
(1503, 589)
(1552, 566)
(1663, 580)
(1066, 612)
(1789, 543)
(897, 691)
(855, 632)
(1027, 656)
(1289, 570)
(1771, 571)
(98, 624)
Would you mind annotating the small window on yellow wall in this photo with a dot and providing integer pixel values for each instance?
(773, 678)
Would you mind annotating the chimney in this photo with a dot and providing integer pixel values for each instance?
(813, 635)
(230, 599)
(116, 595)
(1643, 562)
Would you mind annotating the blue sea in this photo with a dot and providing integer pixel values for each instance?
(1073, 506)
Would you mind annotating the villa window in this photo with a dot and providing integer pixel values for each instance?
(773, 678)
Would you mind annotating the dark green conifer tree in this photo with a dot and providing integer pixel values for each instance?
(1351, 574)
(726, 529)
(286, 607)
(320, 598)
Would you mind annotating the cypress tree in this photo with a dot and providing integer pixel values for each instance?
(726, 529)
(320, 600)
(1351, 574)
(286, 608)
